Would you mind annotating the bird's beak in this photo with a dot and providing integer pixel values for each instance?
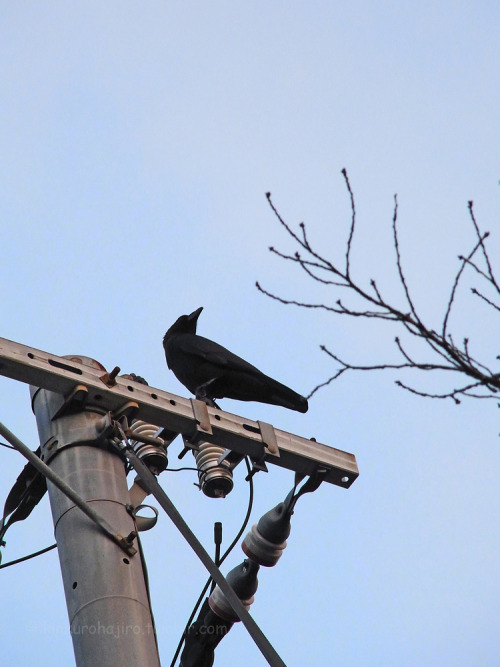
(195, 314)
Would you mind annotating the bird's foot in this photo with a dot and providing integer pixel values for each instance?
(201, 394)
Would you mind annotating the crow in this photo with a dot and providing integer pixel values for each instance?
(210, 371)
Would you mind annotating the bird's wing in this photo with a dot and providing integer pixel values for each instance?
(213, 353)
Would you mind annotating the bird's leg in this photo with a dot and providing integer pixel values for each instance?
(201, 393)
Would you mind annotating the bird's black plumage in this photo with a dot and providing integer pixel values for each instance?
(210, 371)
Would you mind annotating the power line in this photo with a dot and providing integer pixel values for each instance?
(33, 555)
(226, 554)
(4, 444)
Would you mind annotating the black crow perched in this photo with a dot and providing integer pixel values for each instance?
(210, 371)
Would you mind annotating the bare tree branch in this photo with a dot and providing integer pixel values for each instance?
(398, 258)
(446, 355)
(455, 285)
(321, 306)
(353, 222)
(481, 296)
(481, 238)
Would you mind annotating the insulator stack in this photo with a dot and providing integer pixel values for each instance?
(216, 479)
(153, 455)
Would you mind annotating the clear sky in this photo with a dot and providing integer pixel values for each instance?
(137, 142)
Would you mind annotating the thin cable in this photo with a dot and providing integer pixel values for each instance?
(20, 560)
(247, 516)
(4, 444)
(226, 554)
(151, 483)
(66, 489)
(146, 582)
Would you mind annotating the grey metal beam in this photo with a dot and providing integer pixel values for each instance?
(72, 374)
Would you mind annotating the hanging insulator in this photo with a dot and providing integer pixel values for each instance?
(216, 479)
(244, 582)
(267, 539)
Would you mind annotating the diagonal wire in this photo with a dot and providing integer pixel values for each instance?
(152, 485)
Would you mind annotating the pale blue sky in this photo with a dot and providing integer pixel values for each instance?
(137, 141)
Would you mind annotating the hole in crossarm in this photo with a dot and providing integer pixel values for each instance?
(64, 367)
(252, 429)
(75, 584)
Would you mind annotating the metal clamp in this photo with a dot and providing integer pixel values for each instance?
(269, 448)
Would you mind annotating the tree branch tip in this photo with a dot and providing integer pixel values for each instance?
(302, 224)
(470, 203)
(268, 195)
(344, 171)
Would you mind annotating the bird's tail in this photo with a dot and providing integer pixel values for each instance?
(255, 387)
(279, 394)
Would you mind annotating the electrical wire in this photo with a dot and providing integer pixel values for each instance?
(20, 560)
(225, 555)
(148, 591)
(151, 484)
(4, 444)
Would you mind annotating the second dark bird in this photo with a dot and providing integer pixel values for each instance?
(210, 371)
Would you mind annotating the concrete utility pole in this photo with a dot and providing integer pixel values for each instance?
(108, 607)
(78, 405)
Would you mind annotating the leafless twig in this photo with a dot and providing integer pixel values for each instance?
(446, 355)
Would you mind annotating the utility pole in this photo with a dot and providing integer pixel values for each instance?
(78, 407)
(108, 607)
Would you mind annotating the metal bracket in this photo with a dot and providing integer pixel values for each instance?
(128, 410)
(203, 427)
(73, 402)
(125, 543)
(269, 447)
(86, 427)
(143, 523)
(137, 492)
(200, 413)
(269, 438)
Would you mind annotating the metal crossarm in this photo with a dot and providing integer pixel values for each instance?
(72, 377)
